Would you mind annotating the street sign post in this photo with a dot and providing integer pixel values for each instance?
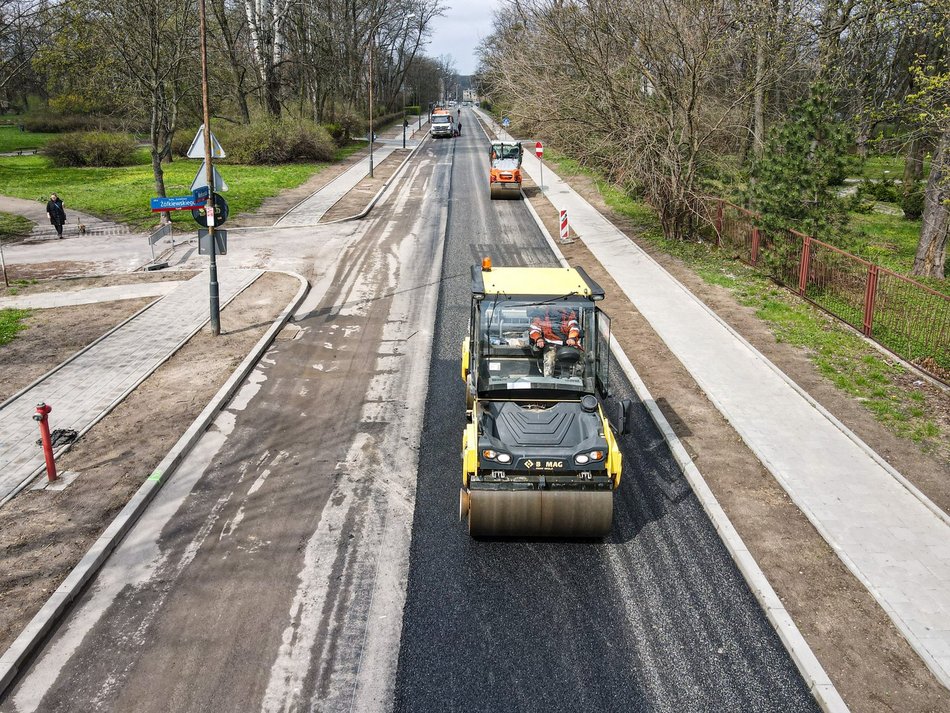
(220, 242)
(163, 204)
(539, 152)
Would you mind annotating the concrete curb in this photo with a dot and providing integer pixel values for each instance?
(381, 191)
(45, 620)
(63, 449)
(814, 674)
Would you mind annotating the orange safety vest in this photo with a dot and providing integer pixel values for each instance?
(555, 328)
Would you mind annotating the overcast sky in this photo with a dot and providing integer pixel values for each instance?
(464, 24)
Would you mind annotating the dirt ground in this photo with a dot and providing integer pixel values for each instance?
(71, 284)
(362, 193)
(44, 534)
(870, 662)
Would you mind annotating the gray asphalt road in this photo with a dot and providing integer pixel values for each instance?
(655, 618)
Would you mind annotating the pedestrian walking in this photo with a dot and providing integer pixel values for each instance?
(459, 129)
(56, 213)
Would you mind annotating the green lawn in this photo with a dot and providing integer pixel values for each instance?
(123, 194)
(887, 167)
(11, 322)
(12, 139)
(14, 226)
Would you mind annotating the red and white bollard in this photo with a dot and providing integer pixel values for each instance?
(42, 417)
(565, 228)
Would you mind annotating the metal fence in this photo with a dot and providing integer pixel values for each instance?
(904, 316)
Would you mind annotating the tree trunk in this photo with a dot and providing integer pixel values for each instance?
(913, 164)
(932, 248)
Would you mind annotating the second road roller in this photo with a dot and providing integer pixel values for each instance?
(539, 456)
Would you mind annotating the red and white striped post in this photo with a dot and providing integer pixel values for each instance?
(565, 228)
(539, 152)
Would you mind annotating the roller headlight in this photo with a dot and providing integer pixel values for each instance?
(585, 458)
(490, 454)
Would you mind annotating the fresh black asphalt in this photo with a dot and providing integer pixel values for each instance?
(654, 618)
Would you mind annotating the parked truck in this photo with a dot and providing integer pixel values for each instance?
(442, 124)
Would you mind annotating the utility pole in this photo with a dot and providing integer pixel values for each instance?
(372, 41)
(209, 206)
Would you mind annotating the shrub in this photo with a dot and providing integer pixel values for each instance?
(883, 189)
(337, 133)
(282, 140)
(91, 148)
(182, 139)
(912, 203)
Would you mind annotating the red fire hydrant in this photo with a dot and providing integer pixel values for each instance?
(41, 417)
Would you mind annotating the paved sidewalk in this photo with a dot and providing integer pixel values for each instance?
(90, 385)
(887, 533)
(36, 211)
(45, 300)
(311, 210)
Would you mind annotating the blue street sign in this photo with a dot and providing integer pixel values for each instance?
(201, 193)
(175, 203)
(506, 122)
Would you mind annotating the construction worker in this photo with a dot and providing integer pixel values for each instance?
(554, 327)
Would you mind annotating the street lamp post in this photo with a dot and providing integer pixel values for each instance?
(209, 210)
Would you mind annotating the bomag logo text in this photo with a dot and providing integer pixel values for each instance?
(544, 464)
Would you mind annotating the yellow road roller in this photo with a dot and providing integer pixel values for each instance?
(539, 456)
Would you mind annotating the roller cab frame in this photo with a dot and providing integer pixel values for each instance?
(539, 456)
(504, 174)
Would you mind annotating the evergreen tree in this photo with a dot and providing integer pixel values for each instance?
(794, 182)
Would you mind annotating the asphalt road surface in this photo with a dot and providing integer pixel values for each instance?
(655, 618)
(271, 572)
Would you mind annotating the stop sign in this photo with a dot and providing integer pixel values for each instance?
(538, 149)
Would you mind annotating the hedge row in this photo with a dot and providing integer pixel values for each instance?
(266, 141)
(91, 148)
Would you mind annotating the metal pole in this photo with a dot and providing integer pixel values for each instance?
(3, 267)
(209, 174)
(372, 37)
(404, 120)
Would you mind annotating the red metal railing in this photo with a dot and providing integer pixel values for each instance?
(902, 315)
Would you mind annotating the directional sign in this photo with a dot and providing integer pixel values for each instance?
(189, 202)
(197, 149)
(201, 179)
(539, 150)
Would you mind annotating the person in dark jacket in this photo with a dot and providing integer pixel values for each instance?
(56, 213)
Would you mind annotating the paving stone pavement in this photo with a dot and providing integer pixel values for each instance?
(91, 384)
(894, 540)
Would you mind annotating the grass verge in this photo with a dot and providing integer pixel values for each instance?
(11, 322)
(880, 384)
